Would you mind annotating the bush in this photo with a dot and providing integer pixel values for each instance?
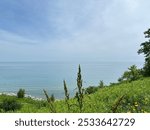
(101, 84)
(10, 104)
(21, 93)
(52, 98)
(91, 90)
(132, 74)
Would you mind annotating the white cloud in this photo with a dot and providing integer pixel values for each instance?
(89, 29)
(112, 32)
(13, 38)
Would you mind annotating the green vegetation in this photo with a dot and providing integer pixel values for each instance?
(9, 104)
(145, 49)
(101, 84)
(91, 89)
(125, 97)
(50, 101)
(131, 75)
(28, 105)
(66, 96)
(80, 93)
(21, 93)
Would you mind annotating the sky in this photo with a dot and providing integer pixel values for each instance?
(72, 30)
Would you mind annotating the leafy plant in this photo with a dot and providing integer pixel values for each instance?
(66, 95)
(50, 102)
(80, 92)
(145, 49)
(52, 98)
(91, 89)
(117, 103)
(132, 74)
(101, 84)
(10, 104)
(21, 93)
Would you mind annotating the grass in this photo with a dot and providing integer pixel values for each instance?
(122, 98)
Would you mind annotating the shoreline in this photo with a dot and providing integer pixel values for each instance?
(26, 95)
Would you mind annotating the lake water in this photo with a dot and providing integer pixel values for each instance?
(36, 76)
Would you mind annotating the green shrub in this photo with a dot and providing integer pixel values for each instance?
(21, 93)
(40, 104)
(10, 104)
(132, 74)
(101, 84)
(52, 98)
(91, 90)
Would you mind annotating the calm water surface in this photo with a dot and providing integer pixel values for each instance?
(36, 76)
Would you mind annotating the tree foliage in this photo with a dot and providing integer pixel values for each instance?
(91, 89)
(132, 74)
(21, 93)
(101, 84)
(145, 49)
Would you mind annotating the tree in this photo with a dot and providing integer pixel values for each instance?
(145, 49)
(21, 93)
(132, 74)
(101, 84)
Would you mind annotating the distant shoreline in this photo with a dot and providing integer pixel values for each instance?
(26, 95)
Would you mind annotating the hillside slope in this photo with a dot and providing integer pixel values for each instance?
(125, 97)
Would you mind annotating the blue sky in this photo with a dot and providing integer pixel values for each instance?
(72, 30)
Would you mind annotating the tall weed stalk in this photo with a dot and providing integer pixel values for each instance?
(50, 102)
(80, 92)
(66, 95)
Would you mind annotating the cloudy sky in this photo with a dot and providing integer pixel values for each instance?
(72, 30)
